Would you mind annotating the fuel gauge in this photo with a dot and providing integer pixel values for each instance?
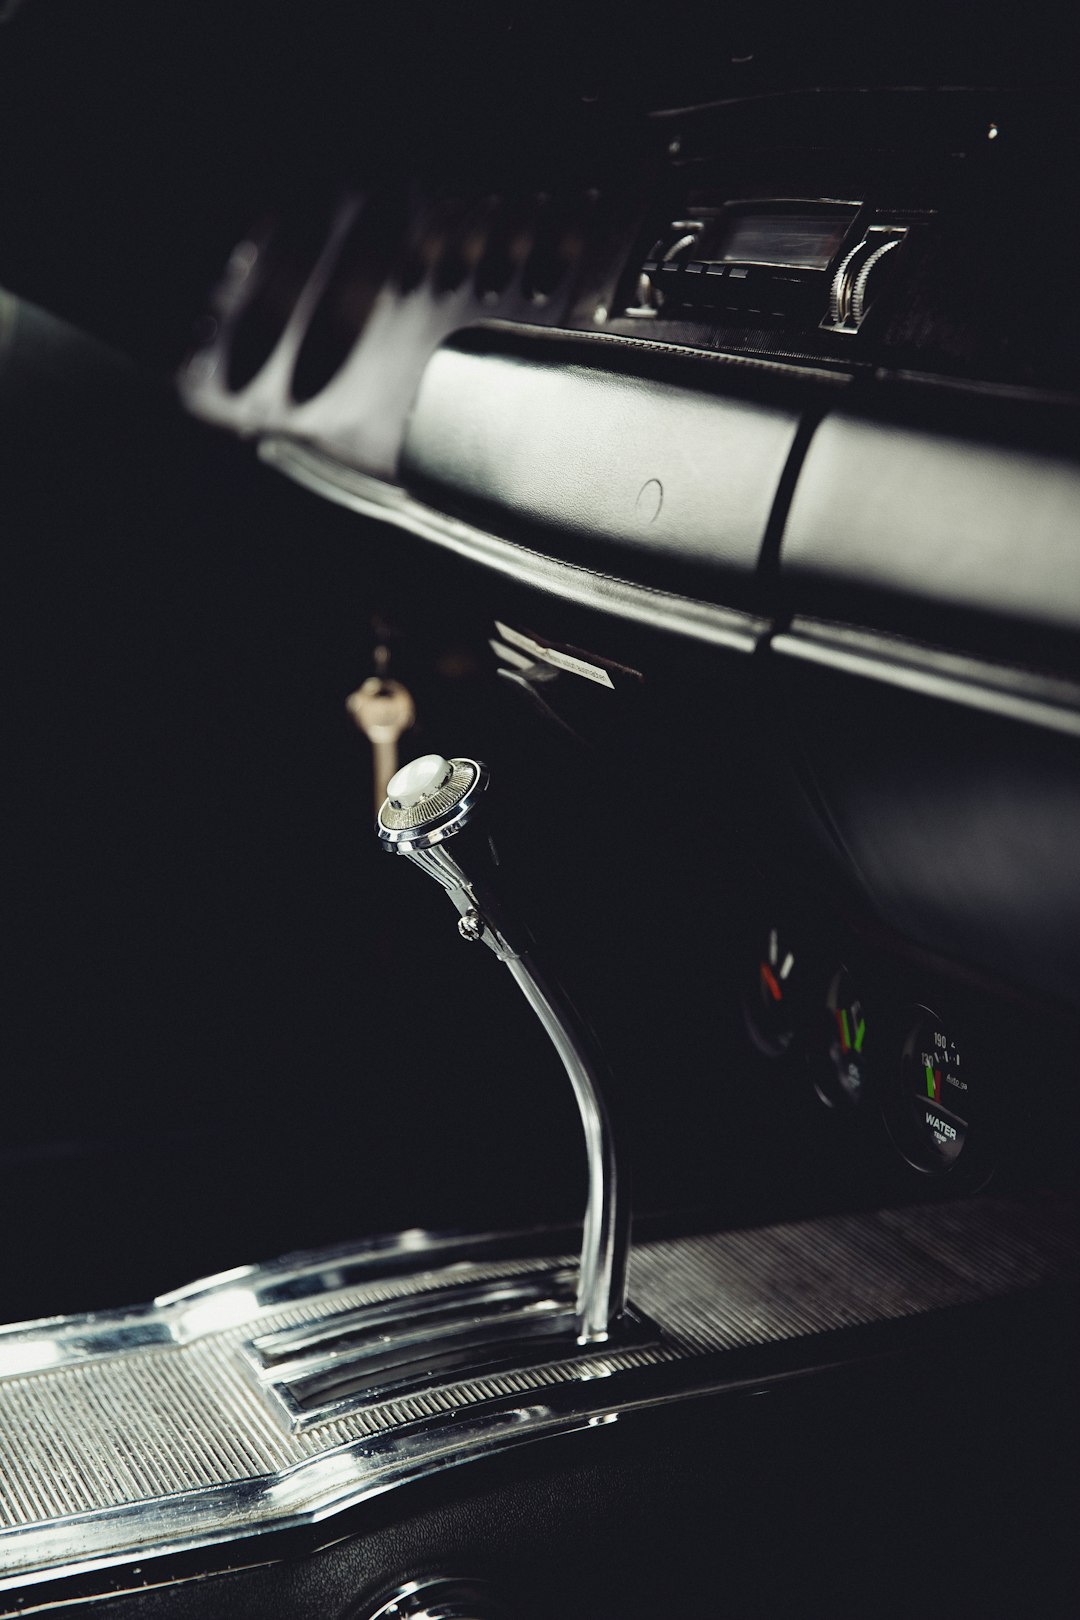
(771, 999)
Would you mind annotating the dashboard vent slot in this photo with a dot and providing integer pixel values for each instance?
(347, 299)
(557, 248)
(265, 277)
(509, 243)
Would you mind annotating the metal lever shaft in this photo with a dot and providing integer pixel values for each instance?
(429, 802)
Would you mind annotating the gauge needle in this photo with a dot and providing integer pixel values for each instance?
(933, 1083)
(770, 979)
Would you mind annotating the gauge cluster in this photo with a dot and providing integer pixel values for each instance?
(902, 1058)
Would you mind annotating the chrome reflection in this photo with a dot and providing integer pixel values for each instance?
(429, 803)
(134, 1434)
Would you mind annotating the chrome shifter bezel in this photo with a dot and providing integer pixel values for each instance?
(426, 836)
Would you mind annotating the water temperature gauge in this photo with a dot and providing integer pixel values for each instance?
(934, 1119)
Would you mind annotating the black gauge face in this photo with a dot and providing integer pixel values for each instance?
(841, 1076)
(935, 1095)
(771, 997)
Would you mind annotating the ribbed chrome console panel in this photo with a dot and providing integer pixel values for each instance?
(131, 1434)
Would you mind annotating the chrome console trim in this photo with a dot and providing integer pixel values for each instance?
(440, 1599)
(136, 1435)
(369, 1354)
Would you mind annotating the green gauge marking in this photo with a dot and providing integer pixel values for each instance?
(840, 1067)
(929, 1114)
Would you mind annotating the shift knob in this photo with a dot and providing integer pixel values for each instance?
(419, 779)
(428, 801)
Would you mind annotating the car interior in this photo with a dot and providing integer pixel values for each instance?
(624, 464)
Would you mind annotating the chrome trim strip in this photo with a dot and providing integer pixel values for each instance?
(661, 610)
(1012, 693)
(366, 1356)
(544, 1292)
(443, 1598)
(250, 1293)
(141, 1434)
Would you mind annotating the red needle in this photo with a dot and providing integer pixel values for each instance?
(770, 979)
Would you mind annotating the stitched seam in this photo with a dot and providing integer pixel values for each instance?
(662, 346)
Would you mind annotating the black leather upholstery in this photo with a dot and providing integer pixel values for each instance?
(562, 443)
(925, 529)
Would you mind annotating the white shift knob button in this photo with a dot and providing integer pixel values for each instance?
(417, 780)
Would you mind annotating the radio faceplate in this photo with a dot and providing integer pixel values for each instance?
(792, 261)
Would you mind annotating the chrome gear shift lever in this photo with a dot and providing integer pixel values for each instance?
(430, 802)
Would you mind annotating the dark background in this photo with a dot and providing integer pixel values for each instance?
(233, 1026)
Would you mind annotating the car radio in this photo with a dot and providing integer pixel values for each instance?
(820, 261)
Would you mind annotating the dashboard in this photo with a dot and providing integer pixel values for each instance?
(685, 425)
(751, 389)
